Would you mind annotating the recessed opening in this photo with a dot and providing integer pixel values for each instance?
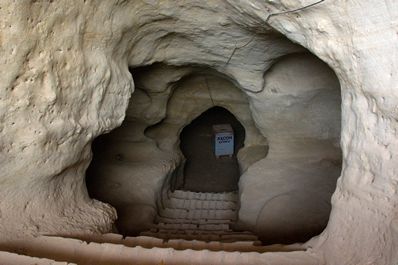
(66, 81)
(277, 184)
(203, 170)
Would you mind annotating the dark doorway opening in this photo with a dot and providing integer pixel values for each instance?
(203, 171)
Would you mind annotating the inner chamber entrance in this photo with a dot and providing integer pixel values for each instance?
(285, 180)
(203, 171)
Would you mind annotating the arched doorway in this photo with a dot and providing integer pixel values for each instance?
(203, 171)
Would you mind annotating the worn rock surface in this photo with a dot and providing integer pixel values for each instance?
(65, 80)
(287, 195)
(145, 150)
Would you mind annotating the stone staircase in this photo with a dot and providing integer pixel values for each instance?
(199, 216)
(191, 228)
(113, 249)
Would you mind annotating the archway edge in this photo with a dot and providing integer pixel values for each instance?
(97, 36)
(197, 146)
(197, 93)
(343, 42)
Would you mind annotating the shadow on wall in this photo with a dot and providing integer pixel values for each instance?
(203, 171)
(132, 163)
(286, 197)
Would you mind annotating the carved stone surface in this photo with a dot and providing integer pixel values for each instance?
(65, 81)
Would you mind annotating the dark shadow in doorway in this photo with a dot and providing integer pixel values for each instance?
(203, 171)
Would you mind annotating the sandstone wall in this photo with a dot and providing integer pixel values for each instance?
(135, 161)
(286, 196)
(358, 40)
(65, 75)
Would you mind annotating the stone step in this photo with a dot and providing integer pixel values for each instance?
(160, 219)
(189, 231)
(194, 204)
(204, 196)
(80, 252)
(8, 258)
(182, 244)
(184, 226)
(221, 236)
(241, 246)
(198, 214)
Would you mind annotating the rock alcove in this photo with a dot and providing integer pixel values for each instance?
(285, 174)
(203, 171)
(66, 82)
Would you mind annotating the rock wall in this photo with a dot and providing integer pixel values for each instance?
(65, 81)
(286, 196)
(144, 152)
(361, 48)
(58, 83)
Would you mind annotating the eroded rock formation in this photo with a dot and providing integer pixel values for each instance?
(66, 80)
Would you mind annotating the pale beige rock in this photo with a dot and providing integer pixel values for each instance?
(65, 80)
(299, 112)
(144, 155)
(87, 252)
(15, 259)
